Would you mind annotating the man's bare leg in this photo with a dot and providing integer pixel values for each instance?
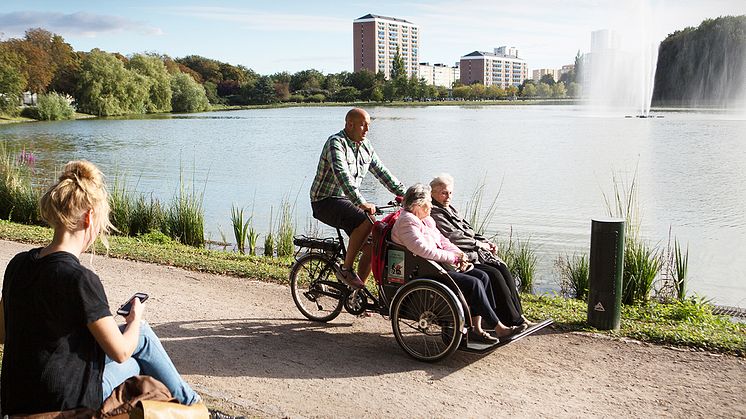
(363, 266)
(357, 240)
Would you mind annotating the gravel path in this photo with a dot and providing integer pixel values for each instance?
(246, 348)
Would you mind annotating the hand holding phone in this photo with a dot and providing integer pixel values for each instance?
(124, 310)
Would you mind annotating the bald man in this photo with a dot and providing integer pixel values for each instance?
(335, 193)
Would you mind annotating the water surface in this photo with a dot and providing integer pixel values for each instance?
(551, 166)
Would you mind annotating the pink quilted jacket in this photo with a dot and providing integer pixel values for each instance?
(422, 238)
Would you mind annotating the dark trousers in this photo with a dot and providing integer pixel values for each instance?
(477, 289)
(508, 309)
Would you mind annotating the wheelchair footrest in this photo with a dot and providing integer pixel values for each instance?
(480, 347)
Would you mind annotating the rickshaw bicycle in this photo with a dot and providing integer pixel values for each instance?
(429, 315)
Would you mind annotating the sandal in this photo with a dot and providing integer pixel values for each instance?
(513, 330)
(482, 337)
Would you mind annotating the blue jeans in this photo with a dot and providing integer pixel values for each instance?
(150, 359)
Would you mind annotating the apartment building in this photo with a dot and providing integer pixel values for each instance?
(439, 74)
(375, 40)
(539, 73)
(502, 68)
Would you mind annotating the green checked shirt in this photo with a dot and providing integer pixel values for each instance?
(343, 165)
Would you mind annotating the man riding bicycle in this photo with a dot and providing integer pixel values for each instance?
(335, 193)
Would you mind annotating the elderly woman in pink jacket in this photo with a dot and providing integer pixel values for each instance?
(416, 231)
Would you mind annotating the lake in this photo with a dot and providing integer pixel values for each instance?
(550, 164)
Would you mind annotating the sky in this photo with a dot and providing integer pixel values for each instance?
(271, 36)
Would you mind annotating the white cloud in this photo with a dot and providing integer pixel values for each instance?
(78, 23)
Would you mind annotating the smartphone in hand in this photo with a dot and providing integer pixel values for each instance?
(124, 310)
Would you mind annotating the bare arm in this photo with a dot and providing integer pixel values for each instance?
(118, 345)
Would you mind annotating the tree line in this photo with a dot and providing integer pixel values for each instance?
(704, 65)
(104, 83)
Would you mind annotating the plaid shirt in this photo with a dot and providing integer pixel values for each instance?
(342, 166)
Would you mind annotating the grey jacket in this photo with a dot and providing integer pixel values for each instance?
(457, 230)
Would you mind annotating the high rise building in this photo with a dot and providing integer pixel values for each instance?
(375, 40)
(439, 74)
(502, 68)
(538, 73)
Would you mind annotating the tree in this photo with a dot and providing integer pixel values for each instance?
(37, 66)
(397, 67)
(543, 90)
(107, 88)
(376, 94)
(159, 81)
(548, 79)
(574, 90)
(306, 80)
(558, 90)
(389, 91)
(529, 90)
(704, 65)
(577, 71)
(511, 91)
(12, 79)
(346, 94)
(187, 95)
(462, 92)
(264, 91)
(208, 70)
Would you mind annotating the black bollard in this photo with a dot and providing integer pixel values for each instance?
(605, 274)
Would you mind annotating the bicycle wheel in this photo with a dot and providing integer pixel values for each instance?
(426, 321)
(309, 282)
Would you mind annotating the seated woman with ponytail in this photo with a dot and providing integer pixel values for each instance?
(63, 349)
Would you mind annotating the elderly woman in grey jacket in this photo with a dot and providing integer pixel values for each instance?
(478, 249)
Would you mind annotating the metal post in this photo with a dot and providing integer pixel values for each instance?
(605, 274)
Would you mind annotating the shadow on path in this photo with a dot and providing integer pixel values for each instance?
(291, 348)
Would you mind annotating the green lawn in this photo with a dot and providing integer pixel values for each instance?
(689, 324)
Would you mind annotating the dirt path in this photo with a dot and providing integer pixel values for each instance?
(245, 347)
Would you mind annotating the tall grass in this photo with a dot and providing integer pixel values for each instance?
(132, 213)
(681, 263)
(185, 218)
(574, 271)
(521, 259)
(269, 238)
(478, 219)
(240, 228)
(147, 215)
(524, 261)
(19, 199)
(642, 262)
(285, 230)
(121, 203)
(252, 236)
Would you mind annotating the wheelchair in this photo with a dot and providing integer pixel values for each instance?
(429, 315)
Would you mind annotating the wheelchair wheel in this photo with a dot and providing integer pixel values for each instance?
(426, 320)
(309, 278)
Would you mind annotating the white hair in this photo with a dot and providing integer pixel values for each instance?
(417, 195)
(443, 179)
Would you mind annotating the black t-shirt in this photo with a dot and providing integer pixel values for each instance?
(51, 361)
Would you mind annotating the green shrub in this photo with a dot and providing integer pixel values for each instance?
(147, 215)
(185, 219)
(574, 276)
(285, 231)
(53, 107)
(317, 98)
(681, 264)
(19, 200)
(240, 228)
(269, 238)
(187, 94)
(524, 261)
(641, 266)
